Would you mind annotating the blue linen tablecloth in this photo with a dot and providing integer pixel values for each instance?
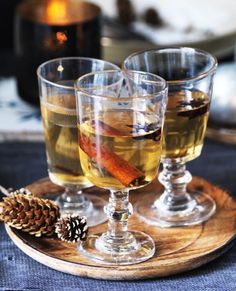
(23, 163)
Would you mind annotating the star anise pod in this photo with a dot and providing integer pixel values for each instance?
(199, 107)
(194, 103)
(155, 135)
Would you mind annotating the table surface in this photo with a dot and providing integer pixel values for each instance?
(24, 162)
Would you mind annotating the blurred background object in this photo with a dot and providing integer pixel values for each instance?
(132, 25)
(127, 26)
(7, 12)
(222, 119)
(48, 29)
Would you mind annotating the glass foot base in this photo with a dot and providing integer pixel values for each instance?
(91, 206)
(140, 249)
(151, 210)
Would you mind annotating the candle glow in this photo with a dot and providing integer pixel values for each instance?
(56, 11)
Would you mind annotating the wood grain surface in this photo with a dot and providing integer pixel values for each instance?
(177, 249)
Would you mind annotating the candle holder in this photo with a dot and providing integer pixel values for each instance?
(47, 29)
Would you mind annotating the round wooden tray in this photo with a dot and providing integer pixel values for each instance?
(178, 249)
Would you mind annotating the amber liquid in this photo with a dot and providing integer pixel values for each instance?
(185, 124)
(133, 137)
(61, 138)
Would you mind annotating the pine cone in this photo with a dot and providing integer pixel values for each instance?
(72, 228)
(31, 214)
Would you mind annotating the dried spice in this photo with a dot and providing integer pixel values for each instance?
(198, 108)
(155, 135)
(119, 168)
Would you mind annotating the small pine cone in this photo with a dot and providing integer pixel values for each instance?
(72, 228)
(31, 214)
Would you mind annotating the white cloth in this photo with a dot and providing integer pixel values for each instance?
(18, 120)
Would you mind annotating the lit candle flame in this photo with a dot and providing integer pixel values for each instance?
(56, 11)
(61, 37)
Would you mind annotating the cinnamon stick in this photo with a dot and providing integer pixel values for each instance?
(119, 168)
(106, 129)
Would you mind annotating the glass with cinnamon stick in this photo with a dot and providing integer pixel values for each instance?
(120, 121)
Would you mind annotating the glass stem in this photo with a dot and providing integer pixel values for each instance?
(117, 239)
(73, 194)
(118, 211)
(175, 178)
(73, 199)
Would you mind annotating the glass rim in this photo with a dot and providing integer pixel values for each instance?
(67, 59)
(94, 96)
(179, 48)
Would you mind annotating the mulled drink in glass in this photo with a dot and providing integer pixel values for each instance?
(189, 74)
(120, 121)
(58, 107)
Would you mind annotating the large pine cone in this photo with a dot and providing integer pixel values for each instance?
(28, 213)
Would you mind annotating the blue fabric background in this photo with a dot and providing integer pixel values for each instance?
(22, 163)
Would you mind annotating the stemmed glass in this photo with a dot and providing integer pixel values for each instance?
(58, 107)
(120, 126)
(189, 73)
